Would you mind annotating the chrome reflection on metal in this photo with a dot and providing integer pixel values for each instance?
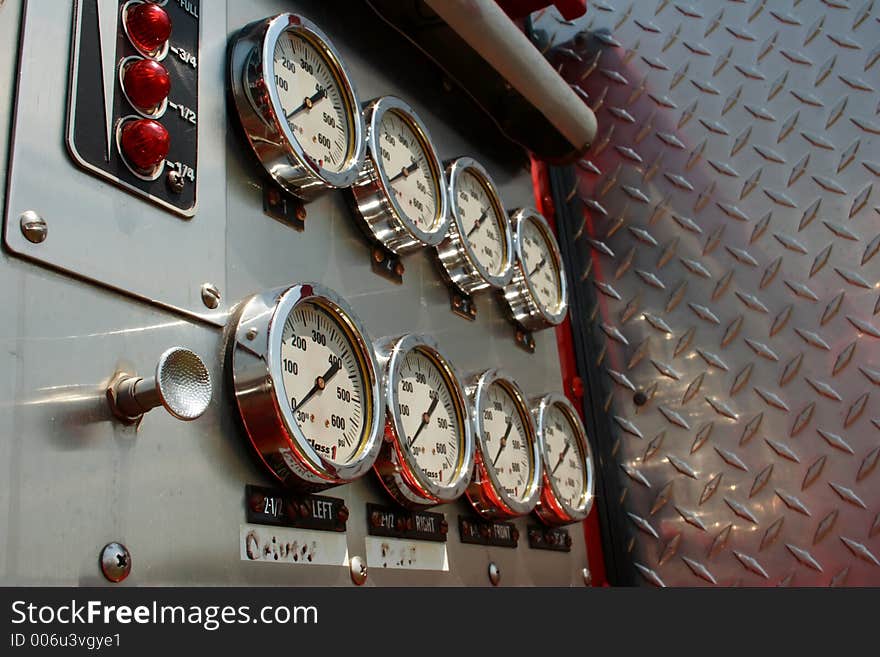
(462, 266)
(520, 293)
(382, 213)
(397, 466)
(262, 116)
(486, 492)
(181, 385)
(280, 443)
(552, 507)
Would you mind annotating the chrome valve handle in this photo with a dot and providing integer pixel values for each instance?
(181, 384)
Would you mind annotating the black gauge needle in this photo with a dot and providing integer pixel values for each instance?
(320, 383)
(426, 417)
(477, 223)
(308, 103)
(537, 267)
(503, 441)
(404, 172)
(561, 458)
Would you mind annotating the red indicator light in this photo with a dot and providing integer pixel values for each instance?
(146, 84)
(148, 27)
(144, 143)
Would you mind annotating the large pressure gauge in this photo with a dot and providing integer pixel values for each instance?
(478, 250)
(306, 384)
(507, 474)
(567, 494)
(401, 192)
(297, 105)
(537, 295)
(428, 456)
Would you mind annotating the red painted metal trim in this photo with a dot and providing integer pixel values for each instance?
(572, 385)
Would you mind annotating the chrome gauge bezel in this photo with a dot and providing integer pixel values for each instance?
(382, 216)
(255, 354)
(396, 465)
(262, 117)
(486, 493)
(460, 264)
(551, 507)
(519, 294)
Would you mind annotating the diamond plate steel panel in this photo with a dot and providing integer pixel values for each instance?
(731, 233)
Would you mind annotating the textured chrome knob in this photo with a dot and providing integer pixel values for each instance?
(181, 384)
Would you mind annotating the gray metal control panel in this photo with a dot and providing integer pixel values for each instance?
(99, 281)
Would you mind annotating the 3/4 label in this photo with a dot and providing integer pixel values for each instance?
(185, 56)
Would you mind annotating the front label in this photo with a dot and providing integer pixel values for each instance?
(477, 531)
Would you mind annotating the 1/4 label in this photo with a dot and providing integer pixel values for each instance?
(184, 170)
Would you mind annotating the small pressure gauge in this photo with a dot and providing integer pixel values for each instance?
(400, 195)
(537, 295)
(567, 493)
(507, 473)
(297, 105)
(428, 456)
(306, 386)
(478, 250)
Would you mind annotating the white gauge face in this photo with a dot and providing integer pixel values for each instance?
(427, 410)
(406, 164)
(481, 222)
(508, 449)
(312, 101)
(540, 266)
(565, 464)
(324, 382)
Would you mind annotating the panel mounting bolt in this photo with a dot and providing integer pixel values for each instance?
(494, 574)
(175, 181)
(358, 571)
(33, 226)
(210, 295)
(115, 562)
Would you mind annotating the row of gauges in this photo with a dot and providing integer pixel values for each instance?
(302, 117)
(322, 404)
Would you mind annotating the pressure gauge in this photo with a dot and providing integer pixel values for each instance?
(477, 252)
(567, 493)
(297, 105)
(507, 473)
(401, 192)
(428, 456)
(306, 384)
(537, 294)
